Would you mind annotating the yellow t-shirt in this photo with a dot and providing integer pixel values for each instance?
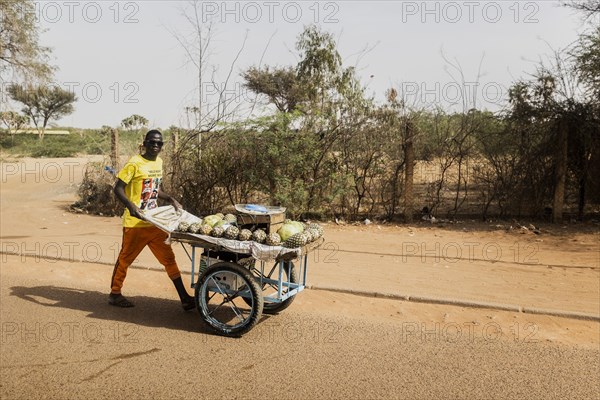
(143, 179)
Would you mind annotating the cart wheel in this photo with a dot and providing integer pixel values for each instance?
(219, 299)
(290, 275)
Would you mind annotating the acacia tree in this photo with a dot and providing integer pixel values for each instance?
(280, 85)
(13, 122)
(20, 51)
(325, 104)
(335, 106)
(43, 103)
(134, 122)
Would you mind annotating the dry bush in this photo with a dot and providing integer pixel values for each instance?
(96, 191)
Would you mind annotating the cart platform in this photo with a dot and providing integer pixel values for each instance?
(237, 280)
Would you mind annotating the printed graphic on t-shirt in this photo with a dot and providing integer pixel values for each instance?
(149, 196)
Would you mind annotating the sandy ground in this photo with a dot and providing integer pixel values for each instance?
(60, 338)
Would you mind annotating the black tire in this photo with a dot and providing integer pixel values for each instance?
(219, 299)
(289, 270)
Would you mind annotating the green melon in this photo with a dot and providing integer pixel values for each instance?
(288, 230)
(211, 220)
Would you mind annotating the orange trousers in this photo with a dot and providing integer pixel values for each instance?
(134, 241)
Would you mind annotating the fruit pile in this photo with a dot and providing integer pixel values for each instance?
(292, 234)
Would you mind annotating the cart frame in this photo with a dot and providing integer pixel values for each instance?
(278, 290)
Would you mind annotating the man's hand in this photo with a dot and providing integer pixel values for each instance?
(169, 199)
(134, 211)
(176, 205)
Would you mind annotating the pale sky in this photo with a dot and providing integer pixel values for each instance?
(121, 58)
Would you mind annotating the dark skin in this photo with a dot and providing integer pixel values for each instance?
(151, 151)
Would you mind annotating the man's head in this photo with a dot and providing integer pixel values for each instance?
(153, 142)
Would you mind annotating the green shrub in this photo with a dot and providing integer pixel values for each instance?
(54, 147)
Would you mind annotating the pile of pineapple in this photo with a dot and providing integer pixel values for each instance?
(292, 234)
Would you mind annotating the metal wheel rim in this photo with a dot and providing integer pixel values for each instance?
(242, 316)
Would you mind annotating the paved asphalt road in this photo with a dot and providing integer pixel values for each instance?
(61, 340)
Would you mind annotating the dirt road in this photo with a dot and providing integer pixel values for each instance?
(61, 340)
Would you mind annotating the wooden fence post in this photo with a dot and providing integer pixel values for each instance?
(114, 148)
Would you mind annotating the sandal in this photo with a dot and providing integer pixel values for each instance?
(189, 303)
(119, 301)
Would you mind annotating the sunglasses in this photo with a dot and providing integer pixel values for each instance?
(151, 143)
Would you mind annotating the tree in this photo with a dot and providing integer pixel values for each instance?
(197, 46)
(402, 128)
(320, 66)
(558, 128)
(134, 122)
(13, 121)
(587, 61)
(20, 51)
(589, 7)
(43, 103)
(281, 86)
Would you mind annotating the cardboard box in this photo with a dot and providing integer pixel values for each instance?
(268, 222)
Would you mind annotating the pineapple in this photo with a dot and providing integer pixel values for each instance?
(309, 236)
(245, 234)
(205, 229)
(232, 232)
(220, 215)
(317, 227)
(217, 231)
(314, 233)
(183, 226)
(273, 239)
(194, 228)
(297, 240)
(259, 236)
(232, 219)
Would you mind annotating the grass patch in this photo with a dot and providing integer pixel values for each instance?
(79, 141)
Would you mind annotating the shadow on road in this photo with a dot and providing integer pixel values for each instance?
(148, 311)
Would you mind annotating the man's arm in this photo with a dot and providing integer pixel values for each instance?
(119, 191)
(163, 196)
